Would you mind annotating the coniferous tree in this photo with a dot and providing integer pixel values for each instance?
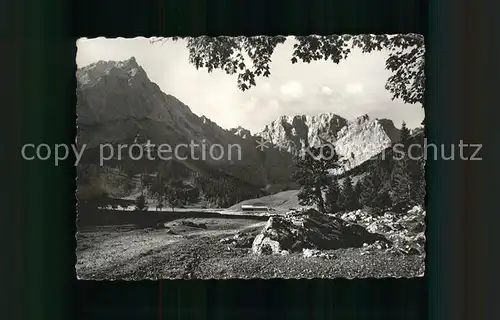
(417, 175)
(311, 174)
(382, 200)
(156, 189)
(405, 136)
(418, 189)
(370, 186)
(402, 172)
(401, 184)
(348, 196)
(332, 197)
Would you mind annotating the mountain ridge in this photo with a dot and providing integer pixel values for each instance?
(117, 102)
(115, 105)
(355, 140)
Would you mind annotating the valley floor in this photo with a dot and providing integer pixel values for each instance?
(128, 253)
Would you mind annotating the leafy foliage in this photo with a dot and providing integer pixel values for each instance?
(250, 57)
(311, 174)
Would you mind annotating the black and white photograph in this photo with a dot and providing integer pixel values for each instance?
(292, 157)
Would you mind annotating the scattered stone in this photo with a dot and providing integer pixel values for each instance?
(376, 246)
(240, 240)
(401, 229)
(416, 210)
(312, 253)
(309, 252)
(226, 240)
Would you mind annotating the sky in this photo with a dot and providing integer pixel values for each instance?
(350, 89)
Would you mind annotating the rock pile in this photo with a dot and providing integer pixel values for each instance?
(310, 229)
(405, 231)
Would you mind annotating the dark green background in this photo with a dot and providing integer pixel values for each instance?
(39, 107)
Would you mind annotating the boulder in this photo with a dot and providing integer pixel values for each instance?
(310, 229)
(266, 246)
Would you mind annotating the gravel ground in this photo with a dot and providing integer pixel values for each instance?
(126, 253)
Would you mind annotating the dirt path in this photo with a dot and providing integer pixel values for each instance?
(114, 253)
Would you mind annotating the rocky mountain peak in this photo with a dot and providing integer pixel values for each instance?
(116, 105)
(95, 72)
(241, 132)
(362, 119)
(291, 132)
(355, 141)
(390, 129)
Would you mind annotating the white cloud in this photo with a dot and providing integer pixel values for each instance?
(292, 90)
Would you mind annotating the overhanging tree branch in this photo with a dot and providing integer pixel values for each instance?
(250, 57)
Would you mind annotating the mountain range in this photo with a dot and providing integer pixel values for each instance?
(117, 103)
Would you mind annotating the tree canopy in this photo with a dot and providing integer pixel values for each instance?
(250, 57)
